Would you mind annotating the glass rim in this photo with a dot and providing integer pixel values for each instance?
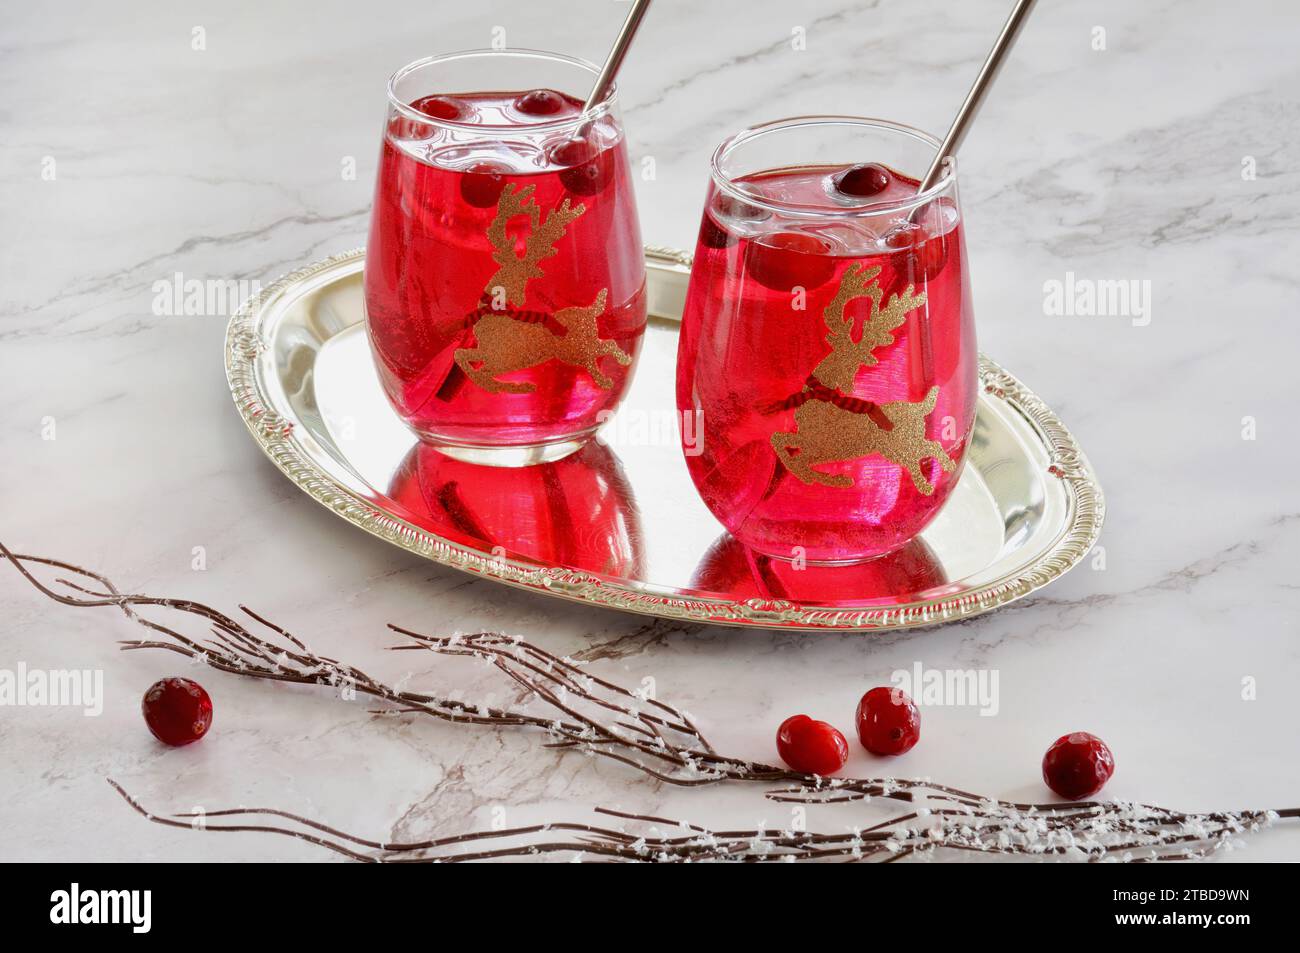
(600, 109)
(727, 184)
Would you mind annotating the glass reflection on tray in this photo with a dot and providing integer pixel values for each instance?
(730, 568)
(579, 512)
(576, 512)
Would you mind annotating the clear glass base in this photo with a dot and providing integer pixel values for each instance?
(508, 456)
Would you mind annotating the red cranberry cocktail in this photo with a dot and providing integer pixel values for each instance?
(828, 346)
(505, 278)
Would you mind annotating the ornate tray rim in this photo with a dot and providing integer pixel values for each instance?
(274, 434)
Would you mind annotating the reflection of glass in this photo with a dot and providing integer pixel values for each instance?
(505, 278)
(577, 512)
(735, 571)
(827, 340)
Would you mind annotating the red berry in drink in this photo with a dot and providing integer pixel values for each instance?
(589, 170)
(783, 261)
(1078, 765)
(905, 236)
(177, 710)
(863, 181)
(540, 102)
(481, 184)
(440, 107)
(920, 255)
(888, 721)
(812, 747)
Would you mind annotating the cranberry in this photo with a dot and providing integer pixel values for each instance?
(920, 256)
(863, 181)
(783, 261)
(177, 711)
(439, 107)
(812, 747)
(481, 184)
(905, 236)
(888, 721)
(541, 102)
(589, 167)
(1078, 765)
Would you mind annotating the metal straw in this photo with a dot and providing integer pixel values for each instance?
(606, 78)
(988, 73)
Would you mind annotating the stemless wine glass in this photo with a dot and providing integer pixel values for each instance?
(504, 277)
(828, 346)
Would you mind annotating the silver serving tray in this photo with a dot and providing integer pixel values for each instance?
(619, 524)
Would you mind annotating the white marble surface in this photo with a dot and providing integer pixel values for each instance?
(225, 163)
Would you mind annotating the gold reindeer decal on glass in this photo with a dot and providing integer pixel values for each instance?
(508, 338)
(831, 426)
